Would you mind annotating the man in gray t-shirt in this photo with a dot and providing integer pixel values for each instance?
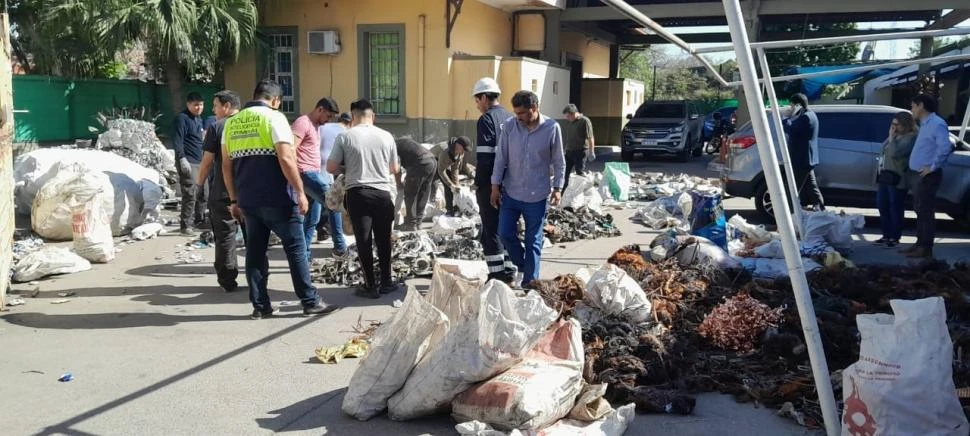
(367, 157)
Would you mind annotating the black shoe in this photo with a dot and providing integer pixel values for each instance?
(390, 288)
(365, 291)
(320, 309)
(322, 236)
(257, 314)
(232, 287)
(890, 243)
(503, 277)
(881, 241)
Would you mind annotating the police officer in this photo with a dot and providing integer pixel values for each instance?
(266, 194)
(486, 93)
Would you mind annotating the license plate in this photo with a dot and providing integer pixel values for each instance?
(649, 142)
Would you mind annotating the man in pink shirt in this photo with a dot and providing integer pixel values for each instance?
(307, 140)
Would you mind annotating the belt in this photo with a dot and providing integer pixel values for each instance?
(485, 150)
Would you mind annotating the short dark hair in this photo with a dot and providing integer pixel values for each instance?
(227, 97)
(329, 104)
(463, 141)
(267, 89)
(193, 97)
(490, 96)
(927, 101)
(525, 99)
(345, 118)
(800, 99)
(361, 106)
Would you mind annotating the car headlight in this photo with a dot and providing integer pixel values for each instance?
(677, 129)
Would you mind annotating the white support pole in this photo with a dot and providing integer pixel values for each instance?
(783, 145)
(769, 161)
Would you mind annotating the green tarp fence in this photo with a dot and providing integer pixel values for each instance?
(58, 109)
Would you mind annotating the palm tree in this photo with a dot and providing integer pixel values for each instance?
(182, 35)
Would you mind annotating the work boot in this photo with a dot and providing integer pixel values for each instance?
(365, 291)
(186, 231)
(322, 236)
(920, 253)
(320, 309)
(258, 314)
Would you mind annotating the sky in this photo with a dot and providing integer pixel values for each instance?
(885, 50)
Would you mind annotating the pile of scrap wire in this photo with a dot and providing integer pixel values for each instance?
(462, 245)
(650, 187)
(713, 333)
(412, 255)
(568, 225)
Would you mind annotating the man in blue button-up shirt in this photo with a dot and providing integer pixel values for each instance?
(930, 154)
(529, 149)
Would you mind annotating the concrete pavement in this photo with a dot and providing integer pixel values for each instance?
(157, 348)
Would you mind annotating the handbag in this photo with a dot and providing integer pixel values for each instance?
(888, 177)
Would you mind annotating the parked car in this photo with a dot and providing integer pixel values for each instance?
(850, 140)
(727, 112)
(663, 128)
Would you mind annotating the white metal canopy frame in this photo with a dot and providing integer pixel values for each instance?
(754, 99)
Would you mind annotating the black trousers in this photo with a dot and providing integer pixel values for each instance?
(224, 228)
(924, 202)
(575, 159)
(808, 191)
(193, 197)
(418, 185)
(372, 215)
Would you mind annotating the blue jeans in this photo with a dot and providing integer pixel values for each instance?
(526, 257)
(287, 223)
(316, 189)
(892, 210)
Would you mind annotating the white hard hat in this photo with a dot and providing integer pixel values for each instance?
(486, 84)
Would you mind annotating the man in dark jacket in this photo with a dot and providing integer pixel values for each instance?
(188, 155)
(802, 130)
(486, 93)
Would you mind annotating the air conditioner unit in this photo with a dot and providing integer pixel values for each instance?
(323, 42)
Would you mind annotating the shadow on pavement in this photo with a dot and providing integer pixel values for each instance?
(65, 427)
(96, 321)
(322, 413)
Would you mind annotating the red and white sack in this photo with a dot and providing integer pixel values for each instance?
(477, 347)
(903, 381)
(534, 393)
(92, 230)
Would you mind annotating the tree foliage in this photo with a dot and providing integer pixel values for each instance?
(781, 60)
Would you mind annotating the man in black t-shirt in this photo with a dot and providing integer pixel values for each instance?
(224, 226)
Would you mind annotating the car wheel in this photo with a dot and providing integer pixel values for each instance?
(684, 156)
(763, 204)
(626, 156)
(699, 149)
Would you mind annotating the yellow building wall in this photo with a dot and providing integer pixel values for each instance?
(530, 32)
(464, 74)
(480, 30)
(595, 55)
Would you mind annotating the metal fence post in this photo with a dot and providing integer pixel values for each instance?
(803, 296)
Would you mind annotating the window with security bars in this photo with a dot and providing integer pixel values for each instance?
(281, 69)
(384, 64)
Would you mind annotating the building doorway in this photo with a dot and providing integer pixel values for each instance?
(575, 65)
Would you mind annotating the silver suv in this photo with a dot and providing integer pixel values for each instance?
(850, 140)
(664, 127)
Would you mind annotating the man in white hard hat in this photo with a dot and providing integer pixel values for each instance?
(486, 93)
